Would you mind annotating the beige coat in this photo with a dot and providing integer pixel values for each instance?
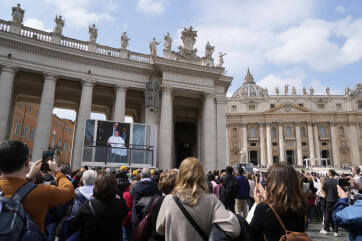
(172, 223)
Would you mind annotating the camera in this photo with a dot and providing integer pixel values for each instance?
(47, 155)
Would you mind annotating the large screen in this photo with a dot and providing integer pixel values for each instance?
(113, 143)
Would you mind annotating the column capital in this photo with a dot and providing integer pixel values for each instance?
(119, 87)
(167, 89)
(88, 82)
(208, 96)
(49, 75)
(333, 123)
(10, 69)
(221, 100)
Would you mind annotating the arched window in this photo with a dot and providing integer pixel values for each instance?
(274, 132)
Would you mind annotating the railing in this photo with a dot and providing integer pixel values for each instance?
(144, 58)
(35, 34)
(74, 43)
(4, 25)
(105, 50)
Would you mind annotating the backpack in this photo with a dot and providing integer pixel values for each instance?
(290, 235)
(232, 188)
(144, 228)
(15, 223)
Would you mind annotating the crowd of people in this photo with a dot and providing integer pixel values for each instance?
(173, 205)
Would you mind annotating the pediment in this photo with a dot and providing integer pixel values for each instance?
(286, 108)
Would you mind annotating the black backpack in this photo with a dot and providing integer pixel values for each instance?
(232, 188)
(15, 223)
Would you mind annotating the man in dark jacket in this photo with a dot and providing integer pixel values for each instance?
(330, 188)
(142, 193)
(227, 195)
(243, 194)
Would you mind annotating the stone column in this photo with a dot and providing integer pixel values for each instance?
(42, 133)
(281, 143)
(6, 90)
(311, 145)
(335, 152)
(316, 143)
(166, 130)
(120, 103)
(84, 112)
(209, 132)
(221, 133)
(269, 146)
(245, 140)
(262, 145)
(299, 145)
(354, 144)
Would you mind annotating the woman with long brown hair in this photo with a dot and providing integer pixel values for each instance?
(191, 191)
(283, 193)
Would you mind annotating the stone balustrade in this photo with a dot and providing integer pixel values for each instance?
(74, 43)
(4, 25)
(109, 51)
(35, 34)
(144, 58)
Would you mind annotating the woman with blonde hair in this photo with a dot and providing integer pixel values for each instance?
(205, 209)
(283, 194)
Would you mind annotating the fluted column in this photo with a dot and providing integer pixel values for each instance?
(299, 145)
(120, 103)
(42, 133)
(269, 146)
(6, 89)
(311, 145)
(262, 145)
(335, 152)
(209, 132)
(281, 143)
(166, 130)
(316, 143)
(84, 112)
(245, 140)
(221, 133)
(356, 161)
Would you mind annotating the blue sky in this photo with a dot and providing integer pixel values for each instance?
(297, 42)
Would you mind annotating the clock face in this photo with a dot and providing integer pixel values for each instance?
(287, 108)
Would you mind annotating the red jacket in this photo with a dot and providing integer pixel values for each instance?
(129, 201)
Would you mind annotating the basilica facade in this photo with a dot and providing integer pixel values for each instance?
(304, 130)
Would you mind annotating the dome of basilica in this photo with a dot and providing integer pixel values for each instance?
(249, 88)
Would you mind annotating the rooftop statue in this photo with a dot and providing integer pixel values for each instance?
(327, 91)
(294, 91)
(304, 91)
(311, 91)
(209, 50)
(347, 91)
(286, 89)
(59, 24)
(188, 37)
(124, 40)
(153, 47)
(221, 59)
(168, 42)
(18, 14)
(277, 90)
(93, 33)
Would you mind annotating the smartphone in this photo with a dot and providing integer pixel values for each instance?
(343, 182)
(47, 155)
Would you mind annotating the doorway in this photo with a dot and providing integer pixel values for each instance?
(325, 155)
(290, 157)
(185, 141)
(254, 157)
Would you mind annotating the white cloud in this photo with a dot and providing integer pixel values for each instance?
(34, 23)
(341, 9)
(153, 7)
(76, 13)
(312, 42)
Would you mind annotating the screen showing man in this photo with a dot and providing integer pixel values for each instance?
(118, 150)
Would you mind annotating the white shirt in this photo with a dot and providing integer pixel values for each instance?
(118, 142)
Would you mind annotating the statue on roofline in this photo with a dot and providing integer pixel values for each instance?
(153, 47)
(286, 89)
(168, 42)
(188, 37)
(17, 14)
(209, 50)
(59, 24)
(93, 33)
(294, 91)
(311, 91)
(124, 40)
(221, 59)
(304, 91)
(277, 90)
(327, 91)
(347, 91)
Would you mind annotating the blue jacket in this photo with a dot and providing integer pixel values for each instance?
(244, 187)
(349, 217)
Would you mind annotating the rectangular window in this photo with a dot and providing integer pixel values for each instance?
(235, 132)
(339, 106)
(29, 108)
(55, 123)
(288, 131)
(320, 106)
(65, 146)
(304, 143)
(360, 105)
(323, 132)
(302, 132)
(21, 105)
(18, 129)
(32, 134)
(26, 130)
(301, 105)
(272, 106)
(274, 132)
(252, 132)
(253, 144)
(251, 107)
(233, 107)
(324, 143)
(275, 143)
